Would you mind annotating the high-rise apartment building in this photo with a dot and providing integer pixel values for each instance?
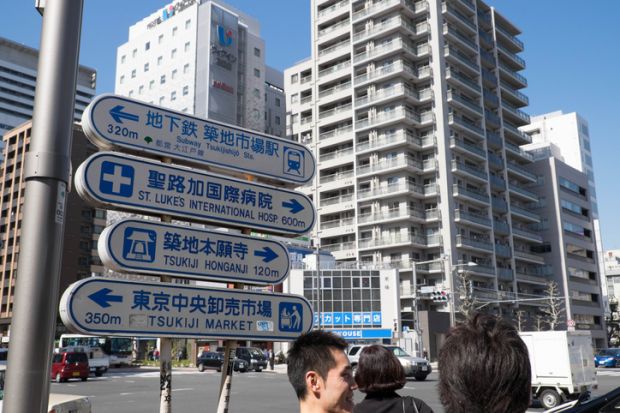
(83, 223)
(18, 75)
(413, 111)
(569, 245)
(205, 58)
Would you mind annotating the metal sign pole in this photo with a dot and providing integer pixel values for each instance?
(47, 175)
(165, 352)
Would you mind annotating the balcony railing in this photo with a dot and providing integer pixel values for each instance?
(338, 199)
(335, 132)
(335, 177)
(518, 151)
(474, 243)
(481, 196)
(389, 189)
(335, 111)
(390, 163)
(334, 68)
(385, 70)
(526, 233)
(394, 90)
(337, 223)
(336, 154)
(451, 73)
(391, 23)
(503, 250)
(516, 112)
(466, 60)
(392, 240)
(528, 256)
(523, 191)
(516, 168)
(334, 48)
(344, 23)
(332, 8)
(339, 246)
(460, 166)
(462, 18)
(332, 90)
(511, 90)
(513, 73)
(467, 216)
(397, 137)
(511, 56)
(501, 226)
(524, 212)
(399, 112)
(390, 214)
(455, 142)
(453, 96)
(522, 135)
(416, 7)
(447, 29)
(452, 119)
(512, 38)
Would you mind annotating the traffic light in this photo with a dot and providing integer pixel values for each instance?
(440, 296)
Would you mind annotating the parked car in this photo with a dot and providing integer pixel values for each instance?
(414, 366)
(608, 358)
(254, 357)
(214, 360)
(70, 365)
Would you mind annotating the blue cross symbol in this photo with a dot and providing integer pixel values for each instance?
(116, 179)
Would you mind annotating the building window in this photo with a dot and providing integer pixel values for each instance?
(160, 39)
(159, 60)
(278, 102)
(151, 84)
(256, 52)
(134, 53)
(573, 187)
(187, 46)
(185, 90)
(277, 120)
(294, 78)
(174, 74)
(130, 94)
(188, 23)
(147, 45)
(146, 67)
(294, 98)
(161, 101)
(173, 96)
(162, 79)
(186, 68)
(173, 53)
(256, 93)
(174, 31)
(133, 73)
(140, 90)
(256, 72)
(122, 80)
(123, 57)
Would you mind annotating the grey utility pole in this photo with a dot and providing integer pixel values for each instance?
(47, 174)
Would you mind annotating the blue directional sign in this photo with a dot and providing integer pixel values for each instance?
(130, 308)
(158, 248)
(349, 318)
(117, 122)
(136, 184)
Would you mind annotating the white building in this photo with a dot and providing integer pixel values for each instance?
(205, 58)
(412, 109)
(18, 76)
(567, 137)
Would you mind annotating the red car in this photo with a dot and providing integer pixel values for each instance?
(70, 365)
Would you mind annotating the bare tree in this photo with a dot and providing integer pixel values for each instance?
(468, 303)
(554, 309)
(520, 319)
(539, 319)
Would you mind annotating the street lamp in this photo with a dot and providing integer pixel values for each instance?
(452, 289)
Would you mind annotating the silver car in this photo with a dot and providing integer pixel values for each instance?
(414, 366)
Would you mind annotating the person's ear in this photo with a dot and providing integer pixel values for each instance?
(313, 382)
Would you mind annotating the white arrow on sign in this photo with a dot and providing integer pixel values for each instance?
(158, 248)
(117, 122)
(129, 308)
(149, 187)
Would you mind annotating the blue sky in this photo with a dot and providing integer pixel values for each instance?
(571, 50)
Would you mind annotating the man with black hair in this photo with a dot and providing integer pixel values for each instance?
(484, 367)
(320, 373)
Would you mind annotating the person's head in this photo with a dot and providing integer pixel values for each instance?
(320, 373)
(484, 367)
(379, 371)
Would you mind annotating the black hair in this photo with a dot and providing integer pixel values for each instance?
(378, 370)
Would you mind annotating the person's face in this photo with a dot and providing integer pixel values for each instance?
(337, 394)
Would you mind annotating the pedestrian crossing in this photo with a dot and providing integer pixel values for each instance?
(608, 373)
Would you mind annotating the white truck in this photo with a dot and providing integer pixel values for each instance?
(562, 365)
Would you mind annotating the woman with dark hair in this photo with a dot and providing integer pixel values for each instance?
(379, 374)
